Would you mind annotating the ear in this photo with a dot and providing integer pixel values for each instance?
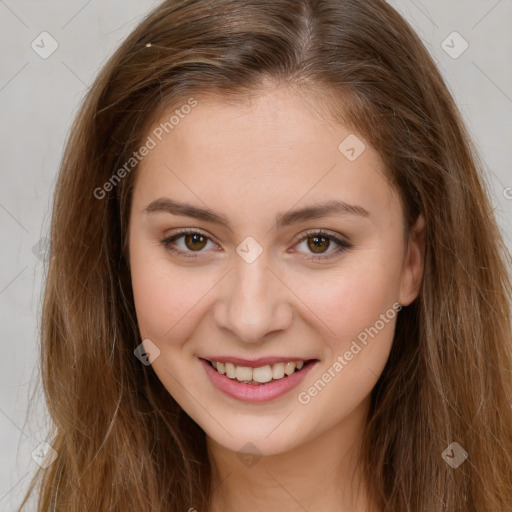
(412, 272)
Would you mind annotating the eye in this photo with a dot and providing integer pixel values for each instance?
(316, 241)
(319, 241)
(193, 239)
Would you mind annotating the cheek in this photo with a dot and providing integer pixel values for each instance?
(353, 297)
(357, 313)
(165, 295)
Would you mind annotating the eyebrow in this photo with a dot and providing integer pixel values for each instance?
(314, 211)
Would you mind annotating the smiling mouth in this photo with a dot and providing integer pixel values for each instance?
(261, 375)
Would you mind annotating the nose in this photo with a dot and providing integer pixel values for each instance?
(255, 302)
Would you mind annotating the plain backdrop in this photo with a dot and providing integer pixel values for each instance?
(39, 98)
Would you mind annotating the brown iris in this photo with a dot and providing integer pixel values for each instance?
(195, 241)
(316, 245)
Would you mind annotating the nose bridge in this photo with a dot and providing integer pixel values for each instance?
(254, 304)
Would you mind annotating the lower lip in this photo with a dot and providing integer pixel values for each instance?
(255, 392)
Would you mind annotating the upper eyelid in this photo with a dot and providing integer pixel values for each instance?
(187, 231)
(298, 238)
(340, 241)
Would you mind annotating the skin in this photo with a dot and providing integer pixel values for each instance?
(275, 152)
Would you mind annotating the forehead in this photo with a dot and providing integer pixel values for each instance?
(279, 147)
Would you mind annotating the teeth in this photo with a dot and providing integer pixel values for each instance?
(230, 370)
(243, 373)
(289, 368)
(278, 371)
(261, 374)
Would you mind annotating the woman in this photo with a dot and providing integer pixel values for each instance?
(276, 281)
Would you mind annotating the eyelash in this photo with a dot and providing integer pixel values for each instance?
(342, 244)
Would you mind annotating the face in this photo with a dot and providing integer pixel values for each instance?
(268, 318)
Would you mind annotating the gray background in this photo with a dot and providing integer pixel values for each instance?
(39, 98)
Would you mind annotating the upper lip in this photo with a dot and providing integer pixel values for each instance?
(254, 363)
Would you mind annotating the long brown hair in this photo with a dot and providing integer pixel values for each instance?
(123, 443)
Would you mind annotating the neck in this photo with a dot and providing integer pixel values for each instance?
(322, 473)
